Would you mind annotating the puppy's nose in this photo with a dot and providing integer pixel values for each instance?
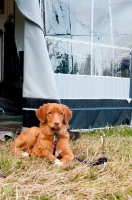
(56, 123)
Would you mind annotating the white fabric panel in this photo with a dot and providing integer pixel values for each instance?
(30, 9)
(38, 74)
(39, 79)
(91, 87)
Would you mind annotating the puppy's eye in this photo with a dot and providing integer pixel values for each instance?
(61, 113)
(49, 113)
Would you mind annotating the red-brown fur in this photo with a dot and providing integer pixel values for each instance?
(38, 141)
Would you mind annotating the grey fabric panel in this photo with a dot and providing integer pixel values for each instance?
(30, 9)
(87, 113)
(35, 103)
(39, 79)
(92, 87)
(8, 107)
(96, 113)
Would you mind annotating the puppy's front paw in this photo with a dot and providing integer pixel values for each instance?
(58, 162)
(25, 154)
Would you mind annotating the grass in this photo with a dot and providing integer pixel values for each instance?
(39, 179)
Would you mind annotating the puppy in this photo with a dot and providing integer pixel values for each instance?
(39, 141)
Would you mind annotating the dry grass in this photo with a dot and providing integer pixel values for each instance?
(38, 179)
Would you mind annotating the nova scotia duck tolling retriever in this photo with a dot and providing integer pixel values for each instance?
(40, 141)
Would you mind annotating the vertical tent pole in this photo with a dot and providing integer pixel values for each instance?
(130, 91)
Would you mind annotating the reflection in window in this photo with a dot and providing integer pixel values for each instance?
(89, 37)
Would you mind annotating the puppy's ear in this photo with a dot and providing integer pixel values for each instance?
(42, 112)
(67, 114)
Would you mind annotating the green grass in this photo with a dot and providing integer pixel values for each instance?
(39, 179)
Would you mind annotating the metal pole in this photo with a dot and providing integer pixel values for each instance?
(92, 16)
(130, 88)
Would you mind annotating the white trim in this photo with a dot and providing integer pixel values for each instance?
(78, 75)
(84, 42)
(101, 128)
(98, 99)
(29, 109)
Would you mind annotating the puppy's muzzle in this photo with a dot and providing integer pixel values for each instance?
(56, 124)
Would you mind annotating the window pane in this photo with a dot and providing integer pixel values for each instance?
(89, 37)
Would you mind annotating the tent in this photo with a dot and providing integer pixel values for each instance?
(39, 85)
(97, 97)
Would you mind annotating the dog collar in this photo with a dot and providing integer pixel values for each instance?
(56, 138)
